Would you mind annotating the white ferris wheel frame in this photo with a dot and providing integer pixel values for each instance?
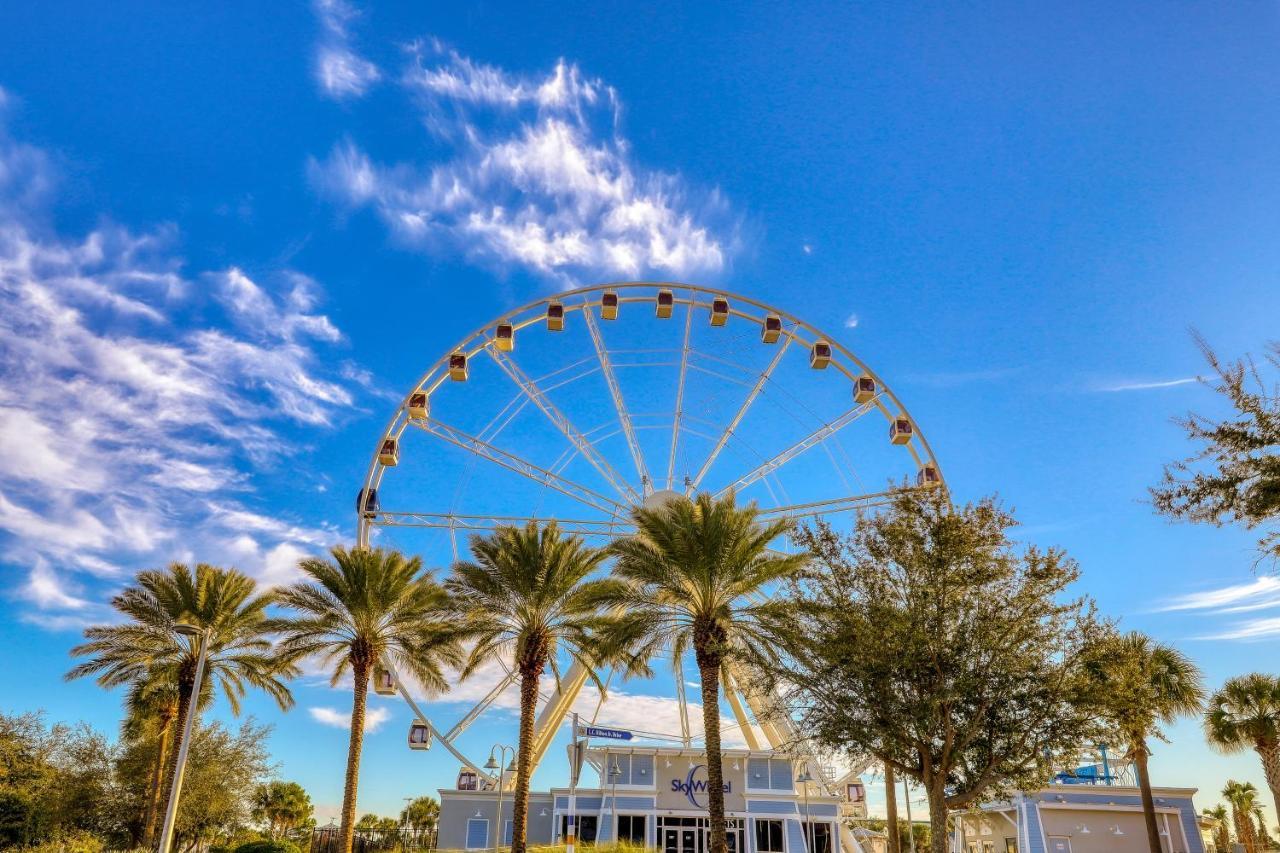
(774, 725)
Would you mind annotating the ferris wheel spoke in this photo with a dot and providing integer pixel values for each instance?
(737, 417)
(461, 726)
(675, 426)
(812, 439)
(615, 390)
(828, 507)
(521, 466)
(454, 522)
(570, 432)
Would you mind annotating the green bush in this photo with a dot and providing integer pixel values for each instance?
(73, 842)
(268, 846)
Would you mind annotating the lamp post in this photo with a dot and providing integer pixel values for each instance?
(804, 779)
(493, 763)
(615, 773)
(175, 789)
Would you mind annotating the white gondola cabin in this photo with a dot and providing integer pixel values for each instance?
(820, 355)
(505, 337)
(555, 317)
(419, 735)
(666, 301)
(719, 311)
(609, 305)
(389, 454)
(864, 389)
(458, 367)
(771, 330)
(928, 476)
(468, 780)
(384, 683)
(900, 431)
(418, 405)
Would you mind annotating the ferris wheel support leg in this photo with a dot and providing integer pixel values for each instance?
(556, 709)
(739, 713)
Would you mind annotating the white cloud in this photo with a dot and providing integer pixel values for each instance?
(131, 416)
(807, 248)
(374, 717)
(1255, 629)
(1147, 386)
(851, 322)
(1261, 593)
(340, 71)
(538, 176)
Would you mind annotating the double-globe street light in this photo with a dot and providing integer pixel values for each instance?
(175, 789)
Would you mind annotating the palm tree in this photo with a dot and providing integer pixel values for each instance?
(1245, 712)
(158, 664)
(421, 814)
(526, 597)
(1140, 684)
(362, 607)
(1260, 827)
(688, 578)
(1221, 833)
(151, 706)
(1242, 796)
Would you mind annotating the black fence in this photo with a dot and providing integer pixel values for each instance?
(328, 839)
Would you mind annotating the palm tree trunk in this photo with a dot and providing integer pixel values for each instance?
(1269, 752)
(186, 686)
(709, 669)
(529, 678)
(891, 811)
(1148, 803)
(157, 785)
(359, 696)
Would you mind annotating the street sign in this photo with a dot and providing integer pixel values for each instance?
(613, 734)
(576, 753)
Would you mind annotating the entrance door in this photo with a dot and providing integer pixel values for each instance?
(1059, 844)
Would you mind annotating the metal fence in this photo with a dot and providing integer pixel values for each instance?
(328, 839)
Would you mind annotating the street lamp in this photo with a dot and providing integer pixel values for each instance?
(193, 705)
(615, 773)
(493, 764)
(804, 779)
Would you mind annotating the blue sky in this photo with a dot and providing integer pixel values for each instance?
(231, 239)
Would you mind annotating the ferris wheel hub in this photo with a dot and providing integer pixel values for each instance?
(661, 498)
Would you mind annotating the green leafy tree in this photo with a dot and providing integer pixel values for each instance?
(1242, 796)
(151, 706)
(224, 770)
(361, 607)
(687, 580)
(936, 645)
(1245, 714)
(1235, 475)
(146, 654)
(281, 807)
(1221, 827)
(421, 814)
(526, 598)
(1140, 684)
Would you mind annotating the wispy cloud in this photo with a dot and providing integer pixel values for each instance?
(341, 72)
(956, 378)
(1261, 593)
(851, 322)
(374, 717)
(537, 174)
(133, 410)
(1254, 629)
(1147, 386)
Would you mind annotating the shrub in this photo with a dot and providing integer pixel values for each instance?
(269, 846)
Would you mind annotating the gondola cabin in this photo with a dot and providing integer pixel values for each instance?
(389, 455)
(468, 780)
(771, 330)
(419, 735)
(864, 390)
(367, 501)
(505, 337)
(820, 355)
(384, 683)
(666, 301)
(555, 317)
(418, 405)
(458, 367)
(609, 305)
(719, 311)
(928, 476)
(900, 431)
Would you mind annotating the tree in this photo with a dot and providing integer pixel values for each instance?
(1235, 476)
(157, 663)
(1139, 684)
(362, 607)
(935, 645)
(527, 596)
(281, 807)
(1242, 796)
(421, 814)
(1260, 828)
(224, 770)
(1244, 713)
(891, 810)
(151, 706)
(686, 579)
(1221, 832)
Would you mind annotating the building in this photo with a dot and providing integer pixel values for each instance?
(656, 796)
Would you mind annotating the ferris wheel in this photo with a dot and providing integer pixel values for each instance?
(581, 406)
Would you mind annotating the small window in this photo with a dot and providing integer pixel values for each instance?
(631, 828)
(769, 836)
(506, 833)
(818, 836)
(477, 833)
(586, 828)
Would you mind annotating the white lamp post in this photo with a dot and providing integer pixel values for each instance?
(175, 790)
(804, 779)
(493, 764)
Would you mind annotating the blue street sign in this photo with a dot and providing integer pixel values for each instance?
(615, 734)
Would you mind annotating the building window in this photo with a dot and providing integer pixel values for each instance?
(477, 833)
(586, 824)
(1010, 845)
(818, 836)
(631, 828)
(769, 836)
